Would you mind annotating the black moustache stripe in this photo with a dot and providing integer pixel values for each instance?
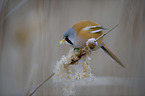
(66, 38)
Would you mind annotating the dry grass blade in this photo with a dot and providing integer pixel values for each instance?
(106, 32)
(38, 86)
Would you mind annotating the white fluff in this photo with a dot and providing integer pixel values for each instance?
(71, 75)
(92, 40)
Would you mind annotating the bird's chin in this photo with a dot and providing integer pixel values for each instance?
(73, 46)
(70, 45)
(76, 45)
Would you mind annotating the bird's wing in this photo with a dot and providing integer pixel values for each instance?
(113, 57)
(96, 29)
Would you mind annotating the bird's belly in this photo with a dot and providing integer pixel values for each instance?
(80, 43)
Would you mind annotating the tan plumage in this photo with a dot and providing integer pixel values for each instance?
(86, 34)
(77, 36)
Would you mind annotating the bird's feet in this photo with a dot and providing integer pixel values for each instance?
(77, 49)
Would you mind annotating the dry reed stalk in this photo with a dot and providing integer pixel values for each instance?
(62, 72)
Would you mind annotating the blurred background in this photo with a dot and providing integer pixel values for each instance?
(30, 31)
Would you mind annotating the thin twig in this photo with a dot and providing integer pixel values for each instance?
(105, 33)
(13, 10)
(38, 86)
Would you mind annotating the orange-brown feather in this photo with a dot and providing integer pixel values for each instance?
(86, 34)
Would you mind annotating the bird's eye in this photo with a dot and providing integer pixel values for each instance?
(66, 38)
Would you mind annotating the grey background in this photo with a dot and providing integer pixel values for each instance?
(30, 31)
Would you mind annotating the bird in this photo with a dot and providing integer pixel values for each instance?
(79, 33)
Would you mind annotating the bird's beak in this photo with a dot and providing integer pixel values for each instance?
(63, 40)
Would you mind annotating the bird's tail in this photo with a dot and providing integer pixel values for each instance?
(113, 57)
